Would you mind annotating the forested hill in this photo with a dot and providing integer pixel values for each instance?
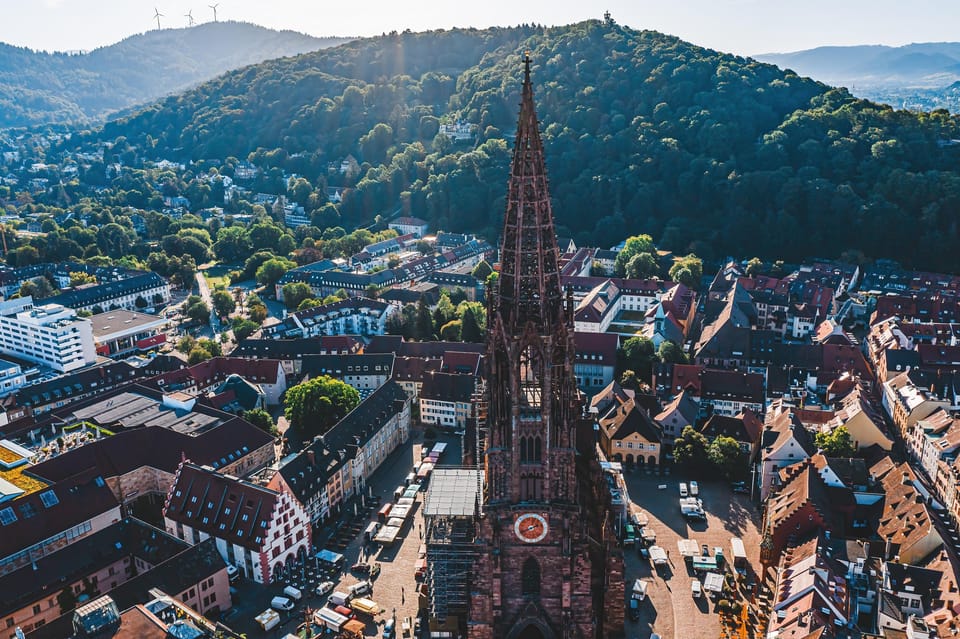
(38, 87)
(643, 132)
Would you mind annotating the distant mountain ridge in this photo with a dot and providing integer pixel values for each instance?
(920, 65)
(40, 88)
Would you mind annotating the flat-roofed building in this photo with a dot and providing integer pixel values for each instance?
(121, 332)
(48, 334)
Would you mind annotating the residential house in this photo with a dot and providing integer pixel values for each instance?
(744, 428)
(907, 521)
(352, 316)
(256, 529)
(862, 419)
(446, 399)
(725, 341)
(934, 439)
(315, 475)
(365, 372)
(595, 360)
(135, 293)
(629, 434)
(783, 442)
(369, 433)
(682, 411)
(906, 403)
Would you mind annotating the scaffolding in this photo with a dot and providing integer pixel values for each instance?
(451, 516)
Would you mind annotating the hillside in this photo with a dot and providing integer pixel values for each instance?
(38, 87)
(644, 133)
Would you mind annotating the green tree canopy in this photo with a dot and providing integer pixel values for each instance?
(690, 450)
(272, 270)
(670, 353)
(636, 354)
(261, 419)
(634, 245)
(295, 294)
(726, 456)
(836, 443)
(223, 303)
(314, 406)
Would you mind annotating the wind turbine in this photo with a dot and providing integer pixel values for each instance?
(214, 7)
(189, 16)
(157, 15)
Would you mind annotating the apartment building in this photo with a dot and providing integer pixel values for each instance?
(48, 334)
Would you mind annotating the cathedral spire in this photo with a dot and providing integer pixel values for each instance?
(529, 287)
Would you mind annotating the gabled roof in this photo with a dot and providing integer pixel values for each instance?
(906, 520)
(782, 425)
(627, 419)
(221, 506)
(364, 421)
(340, 365)
(683, 403)
(307, 472)
(801, 487)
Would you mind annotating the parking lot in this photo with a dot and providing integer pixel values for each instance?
(670, 608)
(394, 589)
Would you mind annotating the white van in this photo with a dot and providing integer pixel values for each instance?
(232, 573)
(281, 603)
(293, 593)
(683, 489)
(696, 588)
(339, 598)
(361, 589)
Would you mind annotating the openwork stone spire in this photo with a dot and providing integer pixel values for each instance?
(529, 289)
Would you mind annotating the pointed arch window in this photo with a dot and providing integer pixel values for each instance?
(531, 374)
(530, 579)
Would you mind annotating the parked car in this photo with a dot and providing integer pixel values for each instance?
(634, 610)
(694, 488)
(325, 588)
(360, 567)
(740, 487)
(683, 489)
(389, 629)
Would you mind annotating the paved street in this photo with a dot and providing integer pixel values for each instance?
(394, 589)
(670, 608)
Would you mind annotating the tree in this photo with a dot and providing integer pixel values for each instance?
(211, 346)
(197, 310)
(636, 354)
(670, 353)
(258, 313)
(243, 328)
(450, 332)
(265, 237)
(628, 379)
(687, 270)
(307, 304)
(597, 269)
(186, 344)
(314, 406)
(38, 288)
(470, 330)
(836, 443)
(482, 270)
(223, 303)
(725, 454)
(272, 270)
(754, 267)
(424, 321)
(233, 244)
(78, 278)
(690, 449)
(642, 266)
(634, 245)
(295, 293)
(261, 419)
(198, 355)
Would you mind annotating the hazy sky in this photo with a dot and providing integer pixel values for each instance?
(738, 26)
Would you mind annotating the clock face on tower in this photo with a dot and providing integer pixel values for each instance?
(530, 527)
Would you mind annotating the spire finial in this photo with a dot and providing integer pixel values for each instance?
(526, 67)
